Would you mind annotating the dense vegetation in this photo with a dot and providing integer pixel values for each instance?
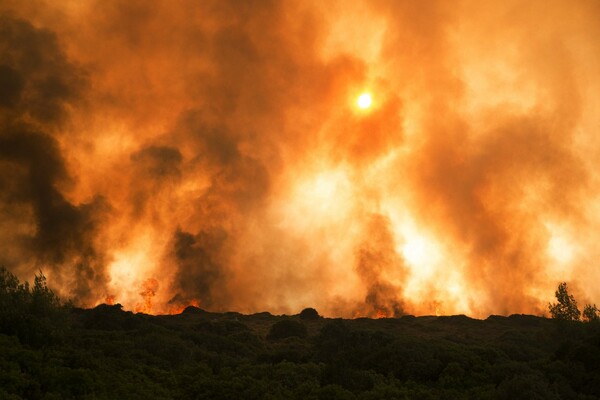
(53, 351)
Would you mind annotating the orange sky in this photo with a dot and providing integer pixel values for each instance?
(160, 153)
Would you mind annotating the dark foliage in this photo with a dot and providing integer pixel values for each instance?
(591, 313)
(287, 328)
(309, 313)
(49, 351)
(109, 318)
(33, 314)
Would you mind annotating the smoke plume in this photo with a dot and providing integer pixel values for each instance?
(161, 154)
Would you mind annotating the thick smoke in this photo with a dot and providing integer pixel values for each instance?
(381, 270)
(41, 228)
(161, 154)
(198, 272)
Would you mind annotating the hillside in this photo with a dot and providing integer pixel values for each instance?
(108, 353)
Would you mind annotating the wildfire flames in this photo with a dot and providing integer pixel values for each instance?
(149, 289)
(367, 158)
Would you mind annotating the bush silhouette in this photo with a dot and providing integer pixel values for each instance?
(309, 313)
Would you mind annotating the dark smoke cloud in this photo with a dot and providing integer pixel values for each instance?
(199, 276)
(39, 85)
(378, 265)
(12, 86)
(155, 169)
(38, 80)
(158, 162)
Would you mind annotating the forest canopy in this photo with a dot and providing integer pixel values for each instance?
(52, 350)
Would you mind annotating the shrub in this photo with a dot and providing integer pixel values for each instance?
(287, 328)
(309, 313)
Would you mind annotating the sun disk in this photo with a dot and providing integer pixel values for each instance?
(364, 101)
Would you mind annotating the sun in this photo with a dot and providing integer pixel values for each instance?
(364, 101)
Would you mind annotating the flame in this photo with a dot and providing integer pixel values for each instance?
(149, 289)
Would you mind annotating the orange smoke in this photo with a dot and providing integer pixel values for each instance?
(218, 147)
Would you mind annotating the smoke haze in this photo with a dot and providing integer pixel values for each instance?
(161, 154)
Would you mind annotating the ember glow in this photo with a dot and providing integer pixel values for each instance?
(365, 158)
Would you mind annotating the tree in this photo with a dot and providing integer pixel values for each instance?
(591, 313)
(43, 300)
(34, 314)
(566, 307)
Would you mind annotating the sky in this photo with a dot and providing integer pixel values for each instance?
(160, 154)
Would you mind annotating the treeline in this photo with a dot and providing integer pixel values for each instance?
(49, 350)
(34, 314)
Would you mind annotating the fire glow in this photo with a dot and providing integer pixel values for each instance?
(364, 158)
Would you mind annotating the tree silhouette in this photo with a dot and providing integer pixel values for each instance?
(566, 307)
(591, 313)
(32, 313)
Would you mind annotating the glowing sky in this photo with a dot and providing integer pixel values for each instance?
(364, 158)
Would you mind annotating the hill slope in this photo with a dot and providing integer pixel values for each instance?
(107, 353)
